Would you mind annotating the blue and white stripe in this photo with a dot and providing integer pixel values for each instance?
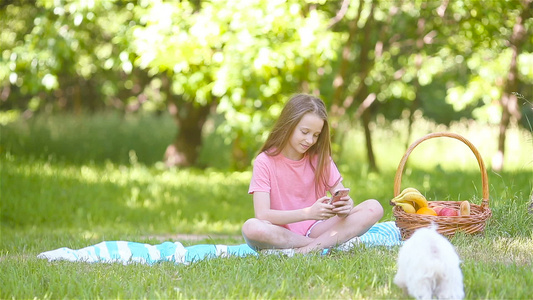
(381, 234)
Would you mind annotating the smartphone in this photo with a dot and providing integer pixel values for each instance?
(339, 194)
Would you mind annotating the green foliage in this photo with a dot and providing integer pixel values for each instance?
(135, 138)
(72, 49)
(450, 60)
(454, 57)
(221, 53)
(72, 139)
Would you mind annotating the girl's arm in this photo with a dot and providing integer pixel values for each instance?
(320, 210)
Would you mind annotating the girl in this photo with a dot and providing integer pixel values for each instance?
(291, 176)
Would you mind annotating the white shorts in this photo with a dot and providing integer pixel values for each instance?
(312, 226)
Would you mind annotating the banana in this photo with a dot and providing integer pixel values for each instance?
(406, 190)
(418, 199)
(408, 208)
(464, 208)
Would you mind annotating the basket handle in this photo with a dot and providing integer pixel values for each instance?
(484, 178)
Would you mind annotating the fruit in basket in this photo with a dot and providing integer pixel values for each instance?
(448, 212)
(406, 190)
(437, 209)
(414, 198)
(426, 211)
(464, 208)
(408, 208)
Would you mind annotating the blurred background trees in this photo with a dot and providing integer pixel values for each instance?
(232, 64)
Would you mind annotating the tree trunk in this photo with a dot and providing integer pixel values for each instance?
(360, 95)
(420, 44)
(509, 99)
(190, 119)
(239, 154)
(366, 64)
(342, 77)
(340, 102)
(368, 137)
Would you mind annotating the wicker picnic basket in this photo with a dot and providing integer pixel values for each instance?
(446, 225)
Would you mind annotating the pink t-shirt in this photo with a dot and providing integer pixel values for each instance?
(291, 184)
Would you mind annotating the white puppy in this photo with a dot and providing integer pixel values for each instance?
(428, 267)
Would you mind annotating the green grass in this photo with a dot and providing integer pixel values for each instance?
(76, 181)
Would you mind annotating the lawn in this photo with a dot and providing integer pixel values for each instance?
(76, 181)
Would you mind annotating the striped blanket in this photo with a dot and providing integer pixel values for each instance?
(381, 234)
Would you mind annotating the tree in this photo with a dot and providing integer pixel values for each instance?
(67, 56)
(414, 53)
(382, 59)
(509, 98)
(217, 57)
(193, 58)
(495, 36)
(199, 59)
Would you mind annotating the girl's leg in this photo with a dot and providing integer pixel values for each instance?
(260, 234)
(337, 230)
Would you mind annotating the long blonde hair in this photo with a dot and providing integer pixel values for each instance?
(292, 113)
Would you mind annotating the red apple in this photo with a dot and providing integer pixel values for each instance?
(447, 212)
(437, 209)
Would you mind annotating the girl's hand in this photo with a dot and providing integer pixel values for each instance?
(343, 206)
(320, 210)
